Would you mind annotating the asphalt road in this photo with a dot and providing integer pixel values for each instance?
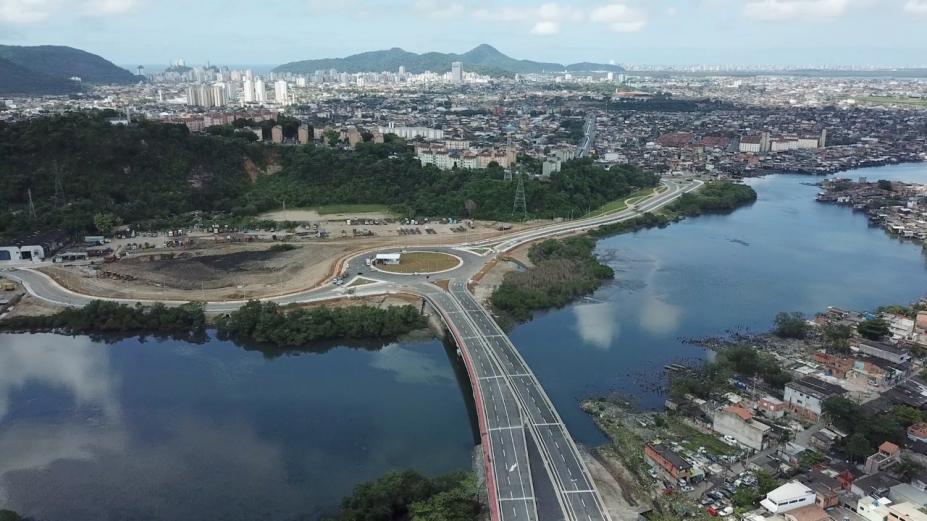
(511, 402)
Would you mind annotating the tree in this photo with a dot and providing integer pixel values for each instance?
(884, 185)
(857, 447)
(906, 415)
(470, 207)
(873, 329)
(9, 515)
(837, 337)
(841, 412)
(333, 136)
(908, 468)
(791, 325)
(105, 222)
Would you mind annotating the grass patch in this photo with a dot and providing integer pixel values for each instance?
(359, 281)
(353, 208)
(283, 247)
(421, 262)
(692, 438)
(885, 100)
(621, 204)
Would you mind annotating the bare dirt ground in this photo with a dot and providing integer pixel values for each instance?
(608, 480)
(31, 307)
(214, 270)
(490, 278)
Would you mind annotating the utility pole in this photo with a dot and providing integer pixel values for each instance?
(520, 200)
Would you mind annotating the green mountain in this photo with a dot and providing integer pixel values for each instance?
(47, 69)
(16, 79)
(483, 58)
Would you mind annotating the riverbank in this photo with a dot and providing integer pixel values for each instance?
(563, 270)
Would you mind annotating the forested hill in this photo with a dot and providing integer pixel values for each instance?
(144, 171)
(46, 69)
(484, 58)
(156, 174)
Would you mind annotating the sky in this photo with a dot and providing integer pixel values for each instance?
(663, 32)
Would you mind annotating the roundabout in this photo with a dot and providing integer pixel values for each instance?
(417, 263)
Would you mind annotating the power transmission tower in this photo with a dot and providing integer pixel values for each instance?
(31, 204)
(59, 190)
(520, 202)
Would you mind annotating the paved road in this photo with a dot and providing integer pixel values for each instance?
(588, 137)
(511, 404)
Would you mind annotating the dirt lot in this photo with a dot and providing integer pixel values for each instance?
(490, 278)
(214, 270)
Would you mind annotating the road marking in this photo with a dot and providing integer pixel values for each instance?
(579, 492)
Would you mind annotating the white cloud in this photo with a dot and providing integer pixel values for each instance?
(545, 27)
(24, 11)
(916, 7)
(777, 10)
(546, 19)
(108, 7)
(437, 9)
(619, 18)
(35, 11)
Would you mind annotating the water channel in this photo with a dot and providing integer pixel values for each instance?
(158, 429)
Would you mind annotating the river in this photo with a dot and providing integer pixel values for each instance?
(159, 429)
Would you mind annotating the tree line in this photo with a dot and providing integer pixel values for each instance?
(186, 321)
(408, 495)
(269, 323)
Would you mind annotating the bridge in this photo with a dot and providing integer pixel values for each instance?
(528, 453)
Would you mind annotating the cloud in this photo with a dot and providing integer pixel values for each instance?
(916, 7)
(619, 18)
(544, 20)
(24, 11)
(438, 10)
(779, 10)
(545, 27)
(35, 11)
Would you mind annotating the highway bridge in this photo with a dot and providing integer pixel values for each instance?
(528, 453)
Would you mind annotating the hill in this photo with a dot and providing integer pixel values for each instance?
(46, 69)
(16, 79)
(483, 58)
(83, 172)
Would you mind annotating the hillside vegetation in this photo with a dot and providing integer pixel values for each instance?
(46, 69)
(147, 171)
(83, 171)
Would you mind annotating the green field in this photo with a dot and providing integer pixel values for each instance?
(352, 208)
(884, 100)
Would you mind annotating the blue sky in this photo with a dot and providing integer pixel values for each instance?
(751, 32)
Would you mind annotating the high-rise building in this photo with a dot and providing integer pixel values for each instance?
(456, 72)
(303, 134)
(402, 70)
(247, 91)
(260, 93)
(280, 92)
(140, 70)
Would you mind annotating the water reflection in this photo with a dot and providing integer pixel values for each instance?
(596, 324)
(410, 366)
(658, 317)
(163, 429)
(74, 366)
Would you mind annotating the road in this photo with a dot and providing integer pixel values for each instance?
(511, 403)
(588, 138)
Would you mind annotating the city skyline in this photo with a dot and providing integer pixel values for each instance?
(667, 32)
